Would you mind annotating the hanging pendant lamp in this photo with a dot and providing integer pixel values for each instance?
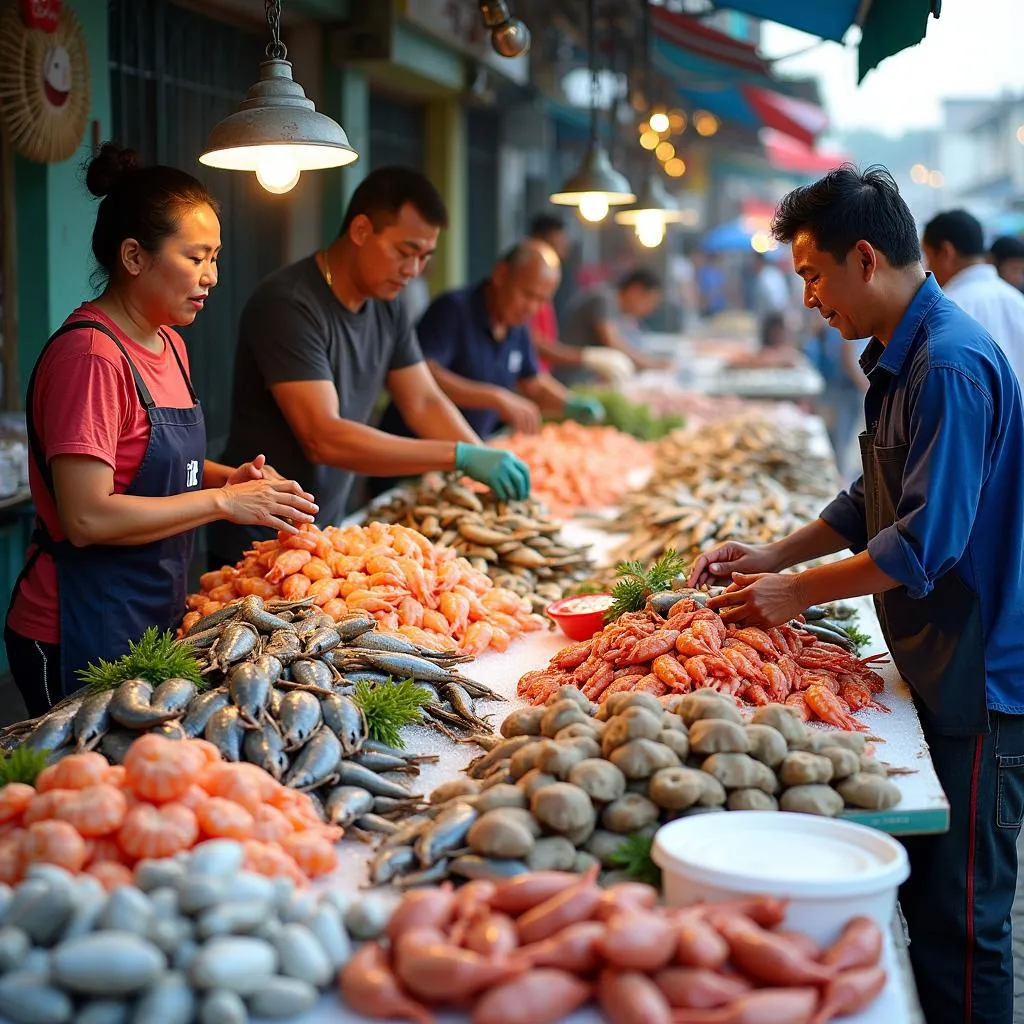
(596, 185)
(651, 213)
(277, 132)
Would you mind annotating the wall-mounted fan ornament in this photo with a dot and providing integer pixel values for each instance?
(44, 79)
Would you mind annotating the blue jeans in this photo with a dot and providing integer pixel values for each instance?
(957, 900)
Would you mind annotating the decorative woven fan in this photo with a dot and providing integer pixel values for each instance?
(44, 85)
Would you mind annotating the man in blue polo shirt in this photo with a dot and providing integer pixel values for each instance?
(477, 345)
(936, 524)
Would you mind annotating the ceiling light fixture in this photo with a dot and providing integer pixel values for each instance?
(596, 185)
(509, 36)
(277, 132)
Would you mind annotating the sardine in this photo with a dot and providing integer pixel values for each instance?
(224, 730)
(346, 803)
(389, 805)
(251, 610)
(173, 695)
(400, 666)
(390, 863)
(312, 672)
(382, 748)
(317, 763)
(169, 731)
(355, 625)
(217, 618)
(318, 805)
(55, 730)
(375, 823)
(131, 706)
(322, 641)
(283, 645)
(312, 623)
(237, 641)
(264, 748)
(384, 763)
(480, 766)
(300, 717)
(350, 774)
(114, 745)
(93, 720)
(201, 640)
(346, 720)
(202, 709)
(249, 690)
(270, 665)
(430, 876)
(357, 676)
(471, 866)
(411, 829)
(447, 833)
(462, 703)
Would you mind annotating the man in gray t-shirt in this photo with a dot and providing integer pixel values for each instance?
(318, 342)
(606, 315)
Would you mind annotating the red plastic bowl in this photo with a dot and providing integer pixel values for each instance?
(578, 625)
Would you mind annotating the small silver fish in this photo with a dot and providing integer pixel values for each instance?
(93, 720)
(384, 762)
(400, 666)
(217, 618)
(202, 709)
(350, 774)
(447, 833)
(237, 641)
(270, 665)
(249, 690)
(346, 803)
(169, 731)
(131, 706)
(264, 748)
(224, 730)
(322, 641)
(317, 763)
(431, 876)
(173, 695)
(300, 716)
(471, 866)
(283, 645)
(346, 720)
(375, 823)
(55, 730)
(251, 610)
(390, 863)
(355, 625)
(114, 745)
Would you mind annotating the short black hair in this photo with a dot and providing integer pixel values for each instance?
(640, 277)
(383, 192)
(545, 224)
(846, 206)
(963, 231)
(771, 323)
(1007, 247)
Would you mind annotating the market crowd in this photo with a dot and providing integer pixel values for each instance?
(920, 340)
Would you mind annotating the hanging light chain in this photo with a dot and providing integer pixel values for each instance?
(595, 87)
(276, 50)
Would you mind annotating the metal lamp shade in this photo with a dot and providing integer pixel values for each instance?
(596, 176)
(653, 199)
(277, 115)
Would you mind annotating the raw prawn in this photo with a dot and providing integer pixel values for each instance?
(163, 831)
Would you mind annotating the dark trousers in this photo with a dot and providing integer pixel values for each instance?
(35, 667)
(957, 900)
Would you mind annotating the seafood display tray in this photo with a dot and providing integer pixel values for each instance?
(896, 1004)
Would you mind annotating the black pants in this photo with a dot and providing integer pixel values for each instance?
(957, 900)
(35, 667)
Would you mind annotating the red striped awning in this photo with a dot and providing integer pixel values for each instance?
(798, 118)
(786, 153)
(699, 39)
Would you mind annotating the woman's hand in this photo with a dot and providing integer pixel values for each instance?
(255, 470)
(761, 599)
(278, 504)
(732, 557)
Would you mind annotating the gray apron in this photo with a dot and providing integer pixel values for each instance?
(937, 641)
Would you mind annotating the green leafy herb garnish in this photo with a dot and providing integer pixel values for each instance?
(635, 584)
(634, 857)
(155, 657)
(858, 638)
(23, 764)
(388, 706)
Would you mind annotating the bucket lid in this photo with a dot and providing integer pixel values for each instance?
(780, 853)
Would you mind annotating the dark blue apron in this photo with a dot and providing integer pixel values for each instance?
(937, 641)
(109, 594)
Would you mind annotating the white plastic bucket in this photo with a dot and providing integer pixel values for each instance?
(830, 870)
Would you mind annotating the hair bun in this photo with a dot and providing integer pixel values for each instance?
(107, 169)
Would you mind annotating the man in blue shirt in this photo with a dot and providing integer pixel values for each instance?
(477, 345)
(936, 524)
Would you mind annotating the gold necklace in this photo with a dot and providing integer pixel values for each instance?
(327, 270)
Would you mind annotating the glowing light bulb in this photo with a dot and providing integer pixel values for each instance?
(659, 122)
(277, 171)
(650, 228)
(593, 207)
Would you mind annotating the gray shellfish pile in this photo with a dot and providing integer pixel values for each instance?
(194, 938)
(571, 781)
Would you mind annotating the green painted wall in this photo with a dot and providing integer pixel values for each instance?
(55, 213)
(346, 94)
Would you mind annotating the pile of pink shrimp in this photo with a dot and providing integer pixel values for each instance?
(410, 585)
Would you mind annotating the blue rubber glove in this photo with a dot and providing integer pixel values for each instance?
(506, 475)
(584, 409)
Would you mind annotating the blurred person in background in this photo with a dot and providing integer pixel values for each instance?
(610, 317)
(778, 346)
(606, 363)
(954, 244)
(478, 349)
(1007, 255)
(712, 284)
(772, 294)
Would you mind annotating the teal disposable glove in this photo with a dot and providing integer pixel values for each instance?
(584, 409)
(506, 475)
